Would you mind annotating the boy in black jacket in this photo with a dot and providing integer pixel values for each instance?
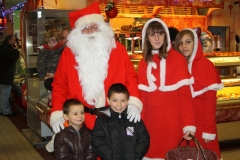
(113, 136)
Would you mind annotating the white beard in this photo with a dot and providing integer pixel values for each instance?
(92, 53)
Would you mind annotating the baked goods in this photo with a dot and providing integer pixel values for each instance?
(228, 96)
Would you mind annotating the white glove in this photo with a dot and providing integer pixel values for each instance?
(57, 124)
(133, 113)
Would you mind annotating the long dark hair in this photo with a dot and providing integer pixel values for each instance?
(154, 27)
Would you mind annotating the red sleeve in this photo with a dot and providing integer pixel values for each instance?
(60, 84)
(131, 75)
(121, 70)
(186, 106)
(142, 78)
(210, 112)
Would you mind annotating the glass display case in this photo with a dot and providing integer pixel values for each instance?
(228, 99)
(38, 22)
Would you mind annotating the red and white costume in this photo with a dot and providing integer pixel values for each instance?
(73, 66)
(66, 83)
(206, 82)
(166, 96)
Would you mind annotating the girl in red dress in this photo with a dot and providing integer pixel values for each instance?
(206, 82)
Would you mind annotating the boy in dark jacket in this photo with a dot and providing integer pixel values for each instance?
(113, 136)
(74, 141)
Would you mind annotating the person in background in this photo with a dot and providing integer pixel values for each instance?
(74, 141)
(206, 83)
(113, 136)
(173, 32)
(48, 58)
(65, 32)
(164, 83)
(88, 66)
(18, 41)
(9, 55)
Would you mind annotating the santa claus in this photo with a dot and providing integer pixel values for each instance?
(90, 63)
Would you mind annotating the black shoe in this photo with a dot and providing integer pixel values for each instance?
(10, 114)
(1, 113)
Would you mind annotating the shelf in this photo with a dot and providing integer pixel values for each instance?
(226, 102)
(221, 54)
(227, 64)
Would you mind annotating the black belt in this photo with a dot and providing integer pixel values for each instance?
(92, 111)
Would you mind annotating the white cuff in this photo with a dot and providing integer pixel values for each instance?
(208, 136)
(189, 128)
(135, 101)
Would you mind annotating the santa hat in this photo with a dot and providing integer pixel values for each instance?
(90, 14)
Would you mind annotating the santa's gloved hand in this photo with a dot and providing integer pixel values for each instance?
(57, 124)
(133, 113)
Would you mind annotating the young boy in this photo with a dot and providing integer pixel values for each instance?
(113, 136)
(74, 141)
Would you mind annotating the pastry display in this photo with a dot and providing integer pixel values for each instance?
(228, 96)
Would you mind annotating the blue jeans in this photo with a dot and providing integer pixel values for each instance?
(5, 91)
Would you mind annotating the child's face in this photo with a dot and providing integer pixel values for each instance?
(156, 39)
(186, 45)
(76, 116)
(118, 102)
(52, 42)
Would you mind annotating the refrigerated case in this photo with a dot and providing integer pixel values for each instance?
(38, 22)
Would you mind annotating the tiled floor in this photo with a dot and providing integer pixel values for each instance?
(14, 146)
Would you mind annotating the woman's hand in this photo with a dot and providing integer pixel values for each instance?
(49, 75)
(186, 135)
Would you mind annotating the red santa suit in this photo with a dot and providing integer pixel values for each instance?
(166, 97)
(66, 83)
(206, 82)
(67, 80)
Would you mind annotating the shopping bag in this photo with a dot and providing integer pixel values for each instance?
(191, 153)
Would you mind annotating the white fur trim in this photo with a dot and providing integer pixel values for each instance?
(164, 26)
(162, 73)
(146, 158)
(208, 136)
(151, 79)
(55, 115)
(194, 50)
(92, 18)
(189, 128)
(135, 101)
(177, 85)
(211, 87)
(101, 100)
